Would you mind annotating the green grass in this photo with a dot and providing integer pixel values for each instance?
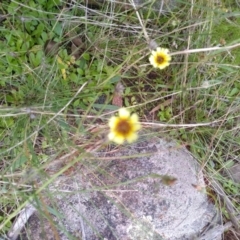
(44, 114)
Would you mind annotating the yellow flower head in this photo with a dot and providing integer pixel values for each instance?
(160, 58)
(123, 127)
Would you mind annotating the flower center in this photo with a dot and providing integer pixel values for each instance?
(123, 127)
(159, 59)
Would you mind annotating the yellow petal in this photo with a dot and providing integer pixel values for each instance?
(116, 138)
(137, 126)
(123, 113)
(111, 136)
(134, 122)
(134, 118)
(132, 137)
(152, 61)
(119, 140)
(112, 122)
(164, 50)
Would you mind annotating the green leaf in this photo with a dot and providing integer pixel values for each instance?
(234, 92)
(19, 162)
(127, 90)
(229, 164)
(32, 58)
(44, 36)
(58, 29)
(105, 106)
(19, 44)
(80, 71)
(65, 126)
(76, 103)
(126, 102)
(12, 8)
(73, 77)
(86, 56)
(115, 79)
(39, 30)
(38, 58)
(25, 46)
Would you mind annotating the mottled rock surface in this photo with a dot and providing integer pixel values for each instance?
(122, 196)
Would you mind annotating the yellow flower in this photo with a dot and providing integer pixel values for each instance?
(123, 127)
(160, 58)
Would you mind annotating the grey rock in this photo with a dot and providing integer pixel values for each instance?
(124, 198)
